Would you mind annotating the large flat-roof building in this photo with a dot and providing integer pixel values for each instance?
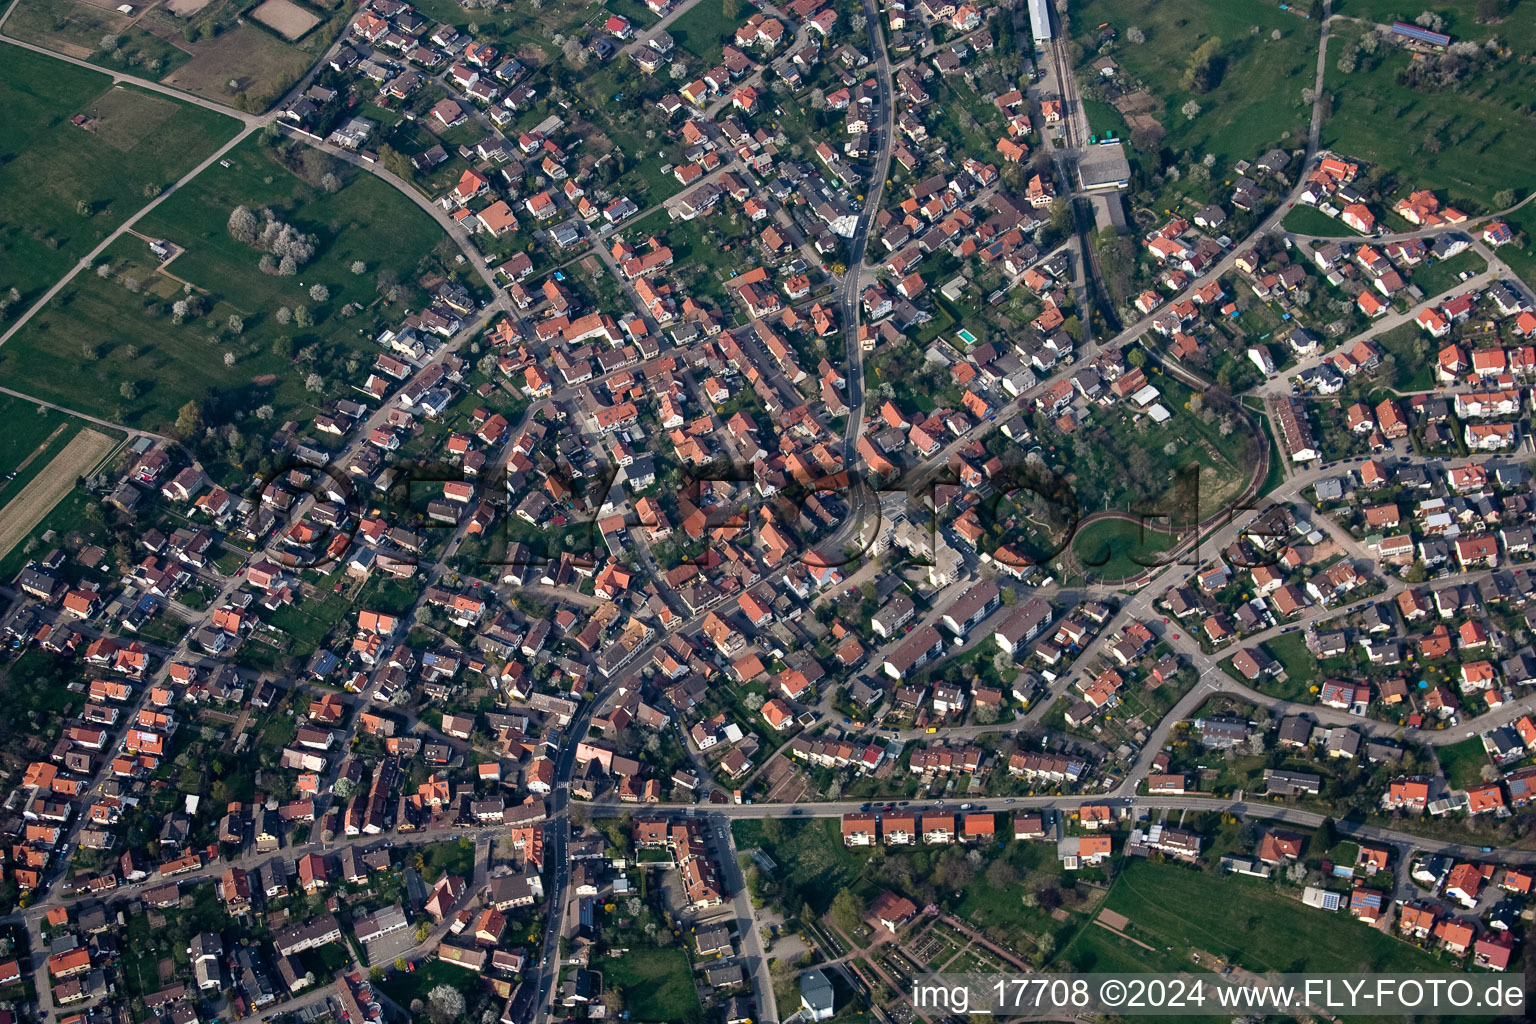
(1040, 20)
(1103, 168)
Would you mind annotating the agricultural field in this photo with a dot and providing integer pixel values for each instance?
(1164, 904)
(33, 434)
(132, 363)
(207, 47)
(247, 67)
(1255, 102)
(83, 28)
(63, 188)
(20, 515)
(1468, 140)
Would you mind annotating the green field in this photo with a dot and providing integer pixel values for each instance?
(656, 984)
(1522, 261)
(1463, 762)
(1115, 549)
(97, 334)
(810, 855)
(1256, 103)
(701, 30)
(1516, 27)
(403, 986)
(1443, 276)
(1309, 220)
(1258, 927)
(1300, 664)
(77, 29)
(1469, 141)
(27, 426)
(48, 166)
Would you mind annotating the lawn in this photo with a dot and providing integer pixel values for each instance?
(702, 30)
(656, 984)
(1470, 142)
(455, 858)
(1463, 763)
(1257, 926)
(1255, 104)
(1522, 261)
(117, 330)
(1435, 278)
(405, 986)
(1309, 220)
(810, 855)
(49, 167)
(1300, 664)
(1115, 549)
(1099, 950)
(1409, 346)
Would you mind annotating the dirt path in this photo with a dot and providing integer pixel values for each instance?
(41, 448)
(23, 512)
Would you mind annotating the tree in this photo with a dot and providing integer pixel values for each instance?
(731, 9)
(189, 421)
(314, 382)
(283, 314)
(445, 1004)
(847, 910)
(243, 226)
(1190, 110)
(1135, 35)
(1504, 198)
(236, 324)
(329, 183)
(319, 292)
(1137, 357)
(229, 359)
(1205, 67)
(302, 317)
(129, 390)
(359, 267)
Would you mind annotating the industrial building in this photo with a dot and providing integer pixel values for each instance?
(1040, 21)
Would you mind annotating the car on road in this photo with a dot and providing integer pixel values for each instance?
(797, 810)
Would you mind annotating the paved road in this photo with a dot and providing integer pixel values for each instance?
(119, 78)
(89, 259)
(1241, 806)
